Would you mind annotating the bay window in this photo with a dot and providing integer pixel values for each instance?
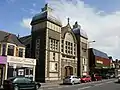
(10, 50)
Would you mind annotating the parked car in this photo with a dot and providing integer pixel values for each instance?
(20, 83)
(86, 79)
(96, 77)
(106, 76)
(118, 79)
(72, 79)
(112, 75)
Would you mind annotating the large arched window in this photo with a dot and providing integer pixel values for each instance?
(10, 50)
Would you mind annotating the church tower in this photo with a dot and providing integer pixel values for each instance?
(46, 37)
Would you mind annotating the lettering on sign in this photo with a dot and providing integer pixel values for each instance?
(100, 62)
(21, 60)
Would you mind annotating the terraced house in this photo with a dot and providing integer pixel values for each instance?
(12, 59)
(54, 47)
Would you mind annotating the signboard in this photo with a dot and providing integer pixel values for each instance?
(3, 60)
(20, 60)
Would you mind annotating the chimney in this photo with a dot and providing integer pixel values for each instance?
(18, 36)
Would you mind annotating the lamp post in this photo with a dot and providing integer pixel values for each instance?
(89, 42)
(92, 41)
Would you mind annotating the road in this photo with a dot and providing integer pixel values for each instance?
(99, 85)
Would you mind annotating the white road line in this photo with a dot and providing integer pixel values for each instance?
(98, 84)
(109, 82)
(50, 88)
(83, 88)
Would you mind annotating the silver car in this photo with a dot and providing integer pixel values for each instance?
(72, 79)
(119, 79)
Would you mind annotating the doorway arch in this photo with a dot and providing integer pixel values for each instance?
(68, 70)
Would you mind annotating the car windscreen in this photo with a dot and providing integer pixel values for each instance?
(19, 80)
(84, 77)
(67, 77)
(11, 78)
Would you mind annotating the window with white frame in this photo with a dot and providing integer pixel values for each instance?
(62, 45)
(56, 66)
(20, 52)
(53, 56)
(10, 50)
(74, 49)
(54, 44)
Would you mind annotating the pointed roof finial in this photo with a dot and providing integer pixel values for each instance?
(46, 8)
(68, 20)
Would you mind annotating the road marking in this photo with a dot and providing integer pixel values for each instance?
(98, 84)
(60, 87)
(109, 82)
(83, 88)
(50, 88)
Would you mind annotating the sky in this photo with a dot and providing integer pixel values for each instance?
(100, 19)
(15, 15)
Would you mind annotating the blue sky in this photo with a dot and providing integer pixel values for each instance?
(14, 11)
(100, 19)
(106, 5)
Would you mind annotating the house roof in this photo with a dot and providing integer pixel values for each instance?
(26, 39)
(47, 13)
(78, 31)
(99, 53)
(10, 38)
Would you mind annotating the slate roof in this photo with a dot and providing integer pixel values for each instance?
(47, 13)
(26, 39)
(99, 53)
(78, 31)
(10, 38)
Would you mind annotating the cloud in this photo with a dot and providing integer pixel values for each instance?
(34, 4)
(102, 27)
(10, 1)
(26, 23)
(33, 11)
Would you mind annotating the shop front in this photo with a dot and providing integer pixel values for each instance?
(3, 61)
(17, 66)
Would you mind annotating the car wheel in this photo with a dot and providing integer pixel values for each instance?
(73, 82)
(16, 88)
(37, 87)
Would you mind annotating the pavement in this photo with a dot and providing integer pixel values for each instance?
(108, 84)
(57, 85)
(51, 83)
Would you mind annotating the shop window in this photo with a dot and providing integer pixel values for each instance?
(20, 72)
(20, 52)
(27, 72)
(31, 72)
(10, 50)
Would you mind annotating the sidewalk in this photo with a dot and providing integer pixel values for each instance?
(51, 83)
(57, 83)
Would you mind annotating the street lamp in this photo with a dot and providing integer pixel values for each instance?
(91, 41)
